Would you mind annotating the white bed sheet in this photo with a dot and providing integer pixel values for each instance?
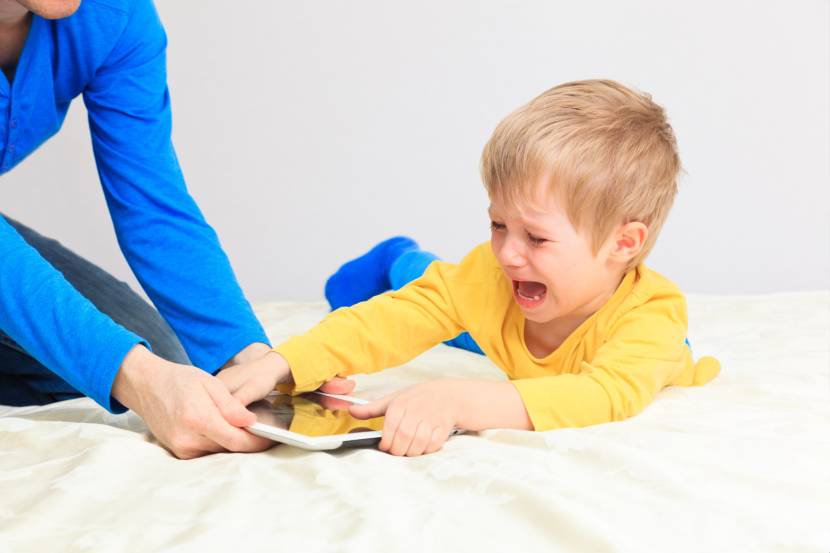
(742, 464)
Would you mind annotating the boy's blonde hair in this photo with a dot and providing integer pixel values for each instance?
(607, 152)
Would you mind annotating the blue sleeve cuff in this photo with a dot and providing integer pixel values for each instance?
(102, 383)
(233, 346)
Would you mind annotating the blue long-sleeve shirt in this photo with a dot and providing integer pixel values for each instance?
(112, 52)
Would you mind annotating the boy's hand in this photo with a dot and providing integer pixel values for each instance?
(419, 419)
(252, 381)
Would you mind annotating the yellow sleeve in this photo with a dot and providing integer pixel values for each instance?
(645, 351)
(383, 332)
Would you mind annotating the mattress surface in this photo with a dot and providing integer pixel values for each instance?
(741, 464)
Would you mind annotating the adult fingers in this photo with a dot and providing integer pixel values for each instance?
(185, 439)
(231, 407)
(217, 429)
(194, 446)
(219, 424)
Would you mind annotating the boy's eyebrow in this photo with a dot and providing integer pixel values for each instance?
(528, 225)
(539, 228)
(538, 231)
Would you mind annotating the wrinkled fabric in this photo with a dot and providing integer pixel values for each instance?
(742, 464)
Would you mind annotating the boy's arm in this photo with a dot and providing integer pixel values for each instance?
(419, 419)
(489, 404)
(385, 331)
(469, 404)
(645, 352)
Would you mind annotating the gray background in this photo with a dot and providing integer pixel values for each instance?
(309, 130)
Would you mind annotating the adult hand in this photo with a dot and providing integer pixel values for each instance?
(418, 420)
(252, 381)
(190, 412)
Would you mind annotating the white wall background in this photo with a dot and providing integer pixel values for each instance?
(309, 130)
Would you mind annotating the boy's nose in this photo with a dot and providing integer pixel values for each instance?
(512, 253)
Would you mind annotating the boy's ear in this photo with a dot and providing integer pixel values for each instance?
(629, 240)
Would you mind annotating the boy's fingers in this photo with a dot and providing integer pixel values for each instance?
(404, 436)
(230, 379)
(420, 441)
(337, 385)
(436, 441)
(372, 409)
(334, 404)
(391, 424)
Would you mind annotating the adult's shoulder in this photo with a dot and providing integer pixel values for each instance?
(84, 42)
(103, 23)
(114, 33)
(127, 7)
(98, 24)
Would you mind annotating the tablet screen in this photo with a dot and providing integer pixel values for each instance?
(311, 415)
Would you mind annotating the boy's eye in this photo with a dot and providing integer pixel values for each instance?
(494, 226)
(536, 241)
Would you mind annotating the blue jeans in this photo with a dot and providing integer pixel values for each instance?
(24, 380)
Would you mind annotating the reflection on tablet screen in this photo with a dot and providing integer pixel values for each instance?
(311, 415)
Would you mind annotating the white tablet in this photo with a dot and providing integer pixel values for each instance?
(315, 420)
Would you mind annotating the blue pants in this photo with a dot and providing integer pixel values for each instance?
(24, 380)
(411, 265)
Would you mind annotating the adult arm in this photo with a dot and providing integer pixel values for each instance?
(55, 324)
(174, 253)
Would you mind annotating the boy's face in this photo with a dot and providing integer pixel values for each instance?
(554, 272)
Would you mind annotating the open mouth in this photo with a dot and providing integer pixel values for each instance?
(529, 294)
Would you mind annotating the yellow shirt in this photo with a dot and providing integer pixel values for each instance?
(608, 369)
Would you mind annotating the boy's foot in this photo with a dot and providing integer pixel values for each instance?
(368, 275)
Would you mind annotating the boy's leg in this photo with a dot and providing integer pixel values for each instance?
(388, 266)
(409, 266)
(23, 380)
(465, 341)
(366, 276)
